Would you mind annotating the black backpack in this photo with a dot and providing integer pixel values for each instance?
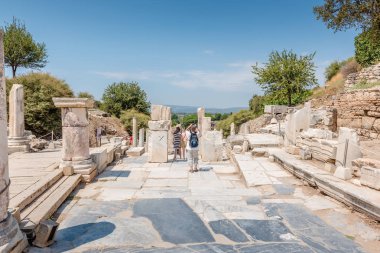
(193, 140)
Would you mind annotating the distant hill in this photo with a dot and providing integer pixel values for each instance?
(193, 109)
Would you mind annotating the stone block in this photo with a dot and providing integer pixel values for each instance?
(343, 173)
(135, 151)
(367, 122)
(212, 146)
(68, 170)
(294, 150)
(158, 146)
(45, 233)
(87, 178)
(116, 140)
(305, 153)
(271, 158)
(259, 152)
(100, 158)
(370, 177)
(235, 139)
(237, 149)
(245, 146)
(161, 125)
(330, 167)
(344, 157)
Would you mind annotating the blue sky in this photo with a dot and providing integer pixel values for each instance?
(183, 52)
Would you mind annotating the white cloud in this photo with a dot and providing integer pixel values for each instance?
(208, 51)
(235, 77)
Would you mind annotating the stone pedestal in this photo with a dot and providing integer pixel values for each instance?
(11, 237)
(158, 141)
(348, 148)
(75, 136)
(134, 132)
(17, 142)
(296, 123)
(212, 142)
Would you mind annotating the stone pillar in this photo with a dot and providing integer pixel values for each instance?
(11, 237)
(17, 141)
(141, 137)
(159, 127)
(134, 132)
(232, 129)
(75, 136)
(206, 126)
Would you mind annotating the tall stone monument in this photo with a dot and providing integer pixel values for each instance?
(17, 142)
(75, 136)
(134, 132)
(11, 237)
(159, 126)
(141, 137)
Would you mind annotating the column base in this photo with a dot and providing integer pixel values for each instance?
(86, 168)
(11, 238)
(18, 144)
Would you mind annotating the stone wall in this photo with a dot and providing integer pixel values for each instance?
(359, 109)
(370, 75)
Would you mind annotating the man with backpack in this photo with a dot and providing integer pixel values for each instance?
(192, 147)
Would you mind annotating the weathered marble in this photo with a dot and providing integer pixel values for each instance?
(75, 135)
(296, 123)
(158, 146)
(345, 157)
(212, 143)
(134, 132)
(11, 237)
(141, 137)
(16, 137)
(232, 129)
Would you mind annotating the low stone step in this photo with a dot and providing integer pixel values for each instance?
(48, 203)
(362, 199)
(34, 191)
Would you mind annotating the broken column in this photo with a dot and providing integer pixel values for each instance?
(17, 142)
(134, 132)
(232, 129)
(296, 123)
(75, 136)
(141, 137)
(348, 149)
(159, 126)
(11, 237)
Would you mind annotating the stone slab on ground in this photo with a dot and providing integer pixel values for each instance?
(263, 140)
(135, 151)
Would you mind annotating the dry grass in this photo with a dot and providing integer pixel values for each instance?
(332, 87)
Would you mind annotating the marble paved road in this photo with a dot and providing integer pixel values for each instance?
(140, 207)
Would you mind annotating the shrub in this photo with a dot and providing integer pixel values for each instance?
(41, 116)
(238, 118)
(349, 66)
(367, 49)
(256, 104)
(332, 70)
(141, 118)
(365, 85)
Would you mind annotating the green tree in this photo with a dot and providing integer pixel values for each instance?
(256, 104)
(189, 119)
(175, 119)
(85, 94)
(21, 50)
(141, 118)
(332, 69)
(345, 14)
(238, 118)
(41, 116)
(122, 96)
(367, 51)
(286, 75)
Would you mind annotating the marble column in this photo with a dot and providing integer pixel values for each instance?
(141, 137)
(232, 128)
(134, 132)
(16, 137)
(75, 136)
(11, 237)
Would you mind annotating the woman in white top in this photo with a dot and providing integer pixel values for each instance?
(192, 146)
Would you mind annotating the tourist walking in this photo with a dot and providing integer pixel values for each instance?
(192, 147)
(177, 143)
